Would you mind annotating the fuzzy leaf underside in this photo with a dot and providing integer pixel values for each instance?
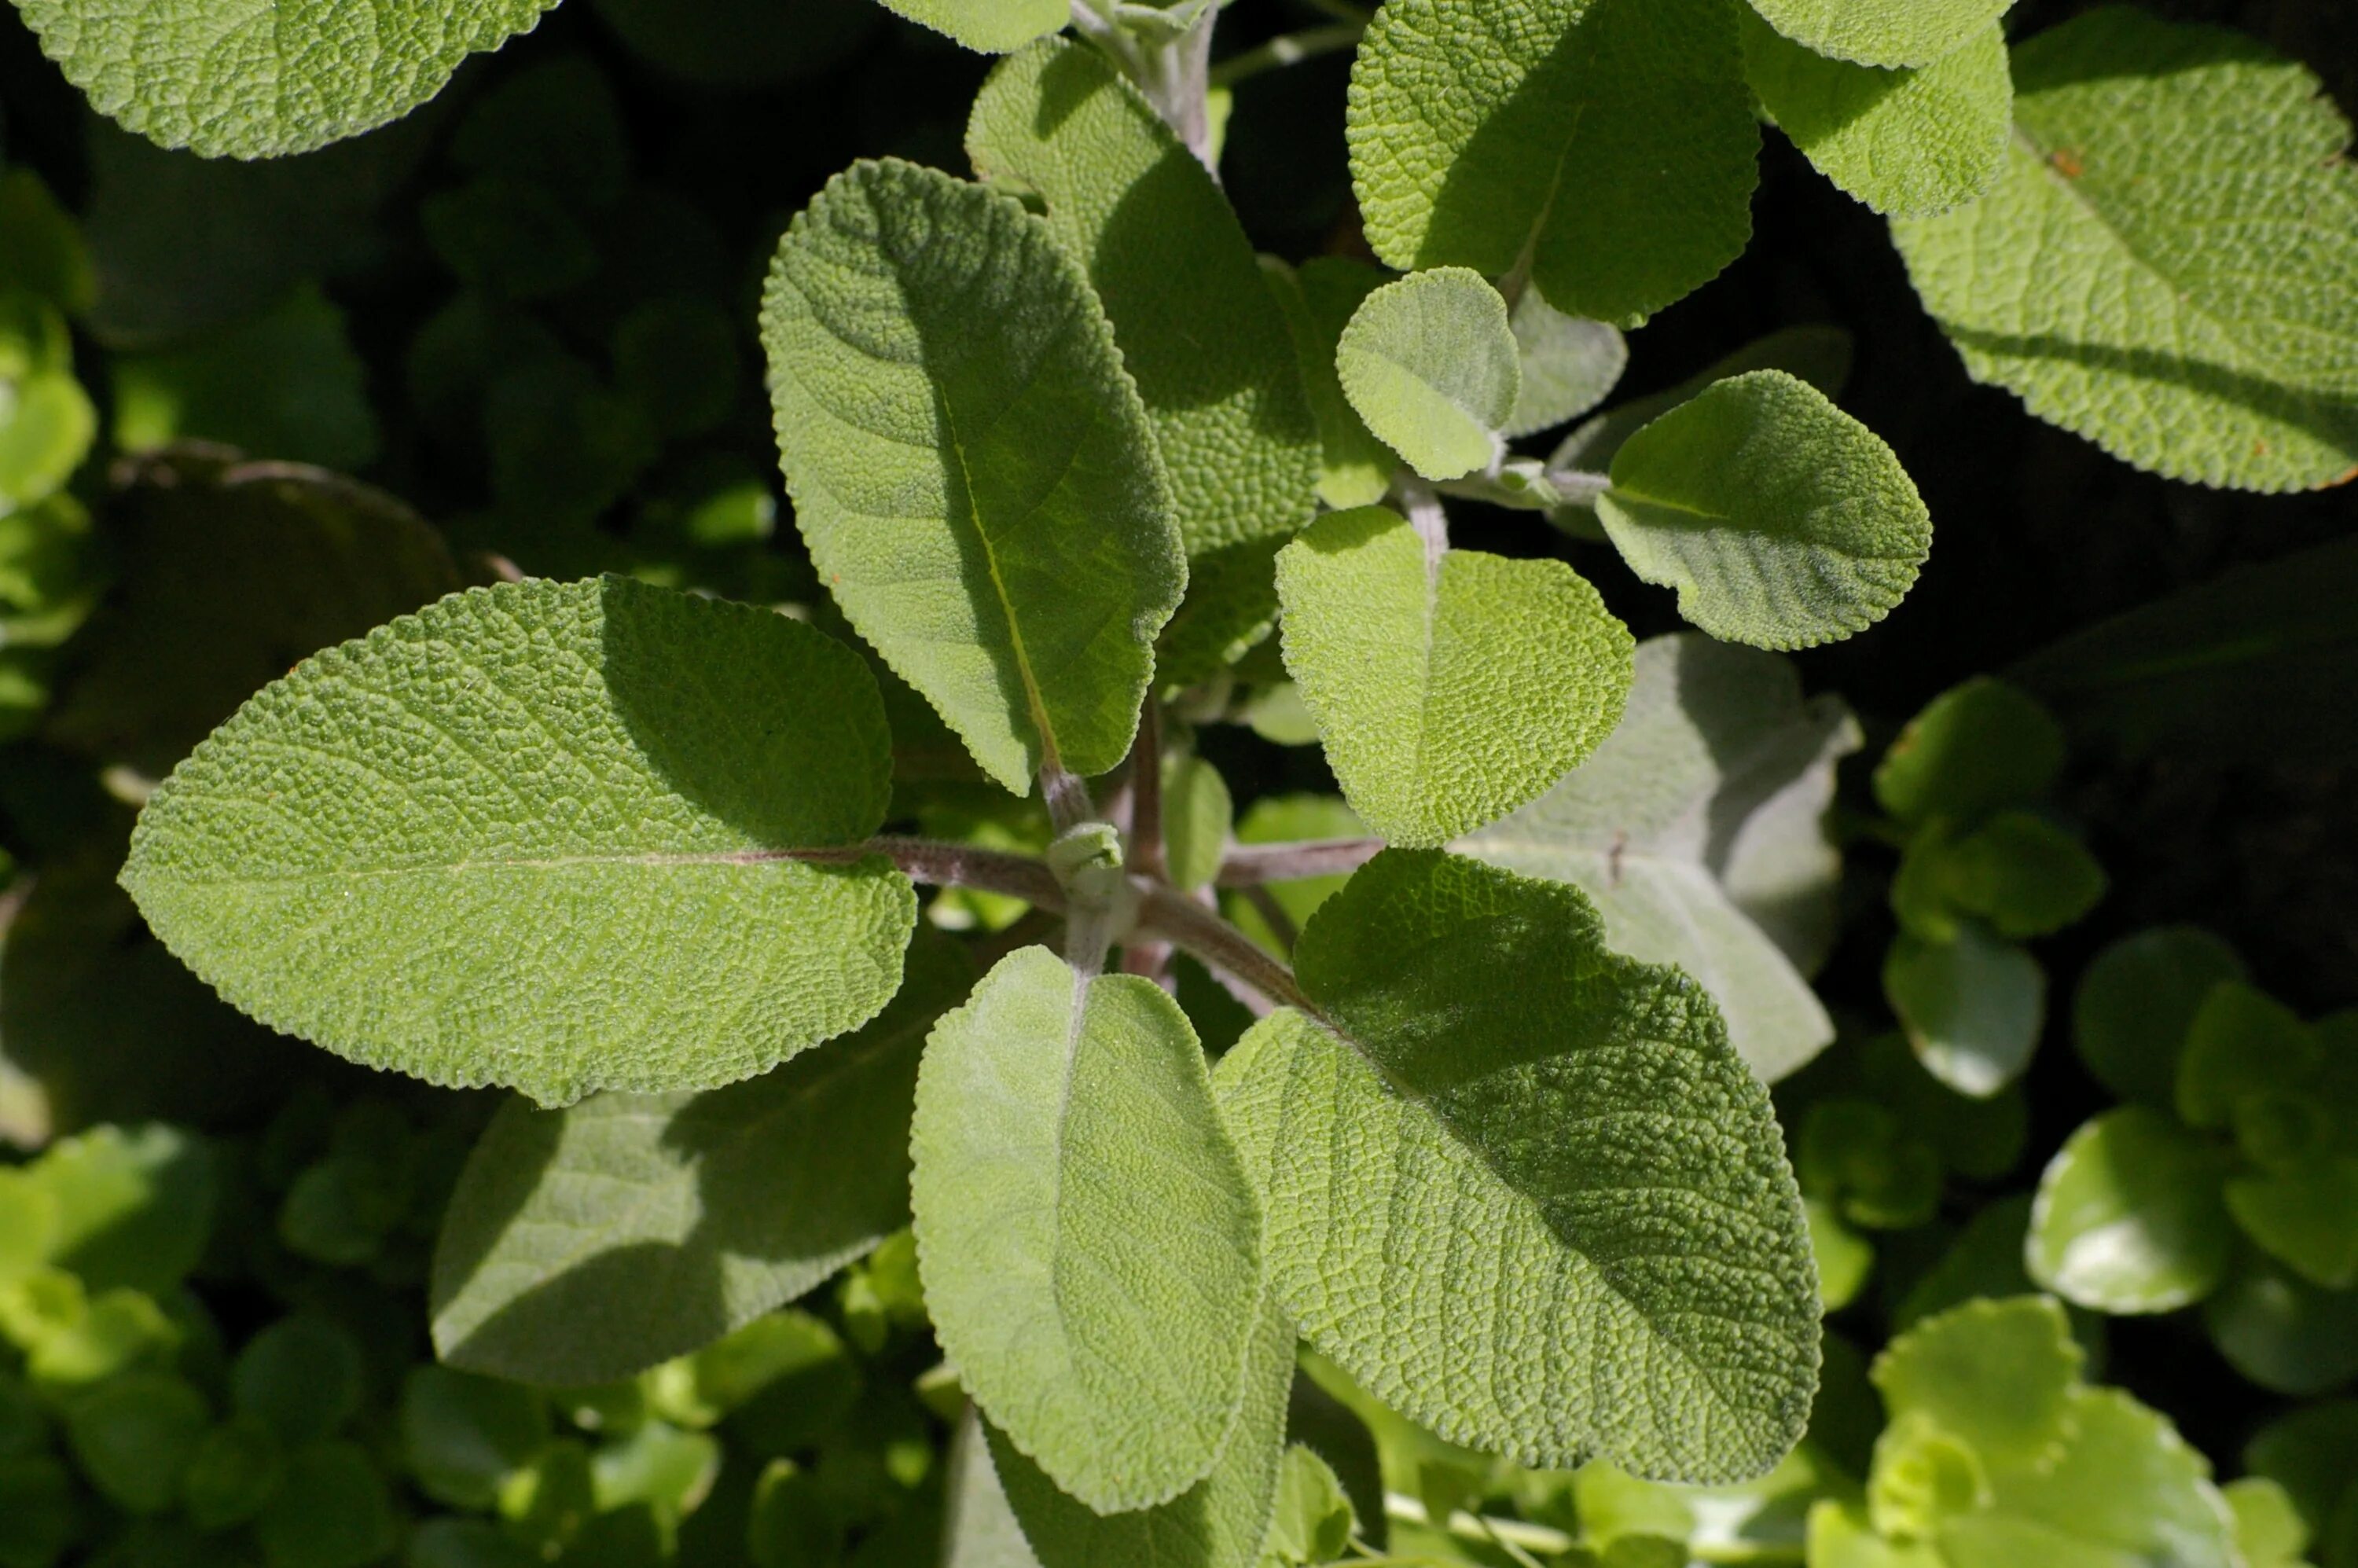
(228, 79)
(1522, 1189)
(532, 836)
(1089, 1246)
(1430, 362)
(584, 1245)
(1447, 695)
(1570, 365)
(1613, 139)
(970, 464)
(1698, 830)
(2197, 190)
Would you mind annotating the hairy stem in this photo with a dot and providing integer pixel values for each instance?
(1250, 864)
(1273, 915)
(1173, 75)
(936, 864)
(1198, 930)
(1146, 856)
(1422, 504)
(1288, 48)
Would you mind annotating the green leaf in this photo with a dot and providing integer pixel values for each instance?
(1319, 300)
(465, 1437)
(1289, 819)
(1489, 1081)
(316, 411)
(1089, 1246)
(1976, 748)
(2269, 1532)
(132, 1207)
(970, 464)
(2307, 1452)
(2139, 998)
(2305, 1215)
(232, 81)
(1819, 355)
(1609, 141)
(1570, 365)
(586, 1244)
(1450, 691)
(1972, 1007)
(1998, 1374)
(2024, 874)
(527, 836)
(2208, 338)
(1845, 1258)
(1315, 1520)
(301, 1378)
(1883, 32)
(1781, 521)
(333, 1512)
(2128, 1218)
(2282, 1333)
(994, 27)
(1216, 1523)
(2241, 1045)
(1697, 828)
(1432, 365)
(134, 1435)
(1909, 142)
(1198, 815)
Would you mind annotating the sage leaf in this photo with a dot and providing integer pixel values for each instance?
(1319, 299)
(1447, 692)
(1883, 32)
(2129, 1217)
(993, 26)
(971, 465)
(2197, 188)
(1432, 365)
(1089, 1246)
(238, 81)
(1570, 364)
(535, 835)
(1819, 355)
(1698, 829)
(1781, 521)
(1610, 142)
(1488, 1080)
(586, 1244)
(1907, 141)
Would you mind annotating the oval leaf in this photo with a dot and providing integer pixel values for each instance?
(537, 835)
(1090, 1247)
(1782, 522)
(1570, 365)
(1448, 693)
(1882, 32)
(1432, 364)
(971, 465)
(2129, 1217)
(994, 27)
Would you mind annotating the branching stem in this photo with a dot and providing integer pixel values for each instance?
(1247, 865)
(1288, 48)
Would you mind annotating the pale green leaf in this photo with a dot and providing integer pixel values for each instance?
(1432, 365)
(1611, 142)
(1319, 300)
(1198, 815)
(1819, 355)
(970, 464)
(2269, 1531)
(1089, 1246)
(1570, 365)
(585, 1244)
(1448, 692)
(1998, 1374)
(2196, 189)
(1781, 521)
(1972, 1006)
(1883, 32)
(231, 80)
(994, 27)
(1315, 1520)
(536, 835)
(2128, 1218)
(1488, 1082)
(1698, 829)
(1216, 1523)
(1907, 141)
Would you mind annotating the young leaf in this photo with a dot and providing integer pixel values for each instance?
(536, 835)
(1883, 32)
(1570, 365)
(970, 464)
(1489, 1081)
(2128, 1218)
(994, 27)
(235, 81)
(1998, 1374)
(583, 1245)
(1909, 142)
(1319, 300)
(1448, 692)
(2195, 187)
(1819, 355)
(1781, 521)
(1198, 815)
(1432, 364)
(1972, 1006)
(1697, 828)
(2137, 1002)
(1610, 142)
(1089, 1246)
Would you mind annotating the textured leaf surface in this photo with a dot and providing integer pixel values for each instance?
(1448, 693)
(1432, 365)
(1698, 829)
(1998, 1374)
(2128, 1218)
(2196, 187)
(530, 836)
(994, 26)
(231, 80)
(1089, 1246)
(1819, 355)
(970, 464)
(1882, 32)
(1906, 141)
(1319, 299)
(1522, 1189)
(1570, 365)
(1781, 521)
(585, 1244)
(1612, 140)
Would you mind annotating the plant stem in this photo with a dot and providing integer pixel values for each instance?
(1222, 945)
(1422, 504)
(1146, 856)
(1068, 795)
(1175, 77)
(936, 864)
(1272, 914)
(1250, 864)
(1288, 48)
